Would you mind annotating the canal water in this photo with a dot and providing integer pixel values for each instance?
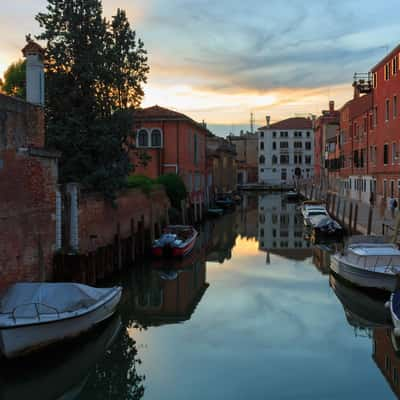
(252, 314)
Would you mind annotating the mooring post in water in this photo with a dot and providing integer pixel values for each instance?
(183, 210)
(396, 228)
(338, 207)
(312, 192)
(133, 240)
(344, 213)
(370, 213)
(355, 218)
(350, 217)
(118, 247)
(166, 216)
(333, 204)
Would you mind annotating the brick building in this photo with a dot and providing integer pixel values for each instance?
(221, 166)
(365, 153)
(325, 133)
(246, 145)
(176, 144)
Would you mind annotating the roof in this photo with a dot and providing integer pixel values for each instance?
(160, 113)
(291, 123)
(387, 58)
(32, 48)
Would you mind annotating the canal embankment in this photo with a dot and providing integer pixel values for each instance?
(355, 215)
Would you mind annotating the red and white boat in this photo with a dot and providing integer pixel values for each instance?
(176, 241)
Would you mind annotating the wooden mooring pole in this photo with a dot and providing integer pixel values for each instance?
(350, 218)
(355, 218)
(370, 214)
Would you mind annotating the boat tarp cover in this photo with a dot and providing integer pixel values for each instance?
(49, 298)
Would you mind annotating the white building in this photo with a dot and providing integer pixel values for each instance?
(281, 228)
(286, 151)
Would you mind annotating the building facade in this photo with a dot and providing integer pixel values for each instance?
(246, 145)
(286, 151)
(325, 133)
(221, 166)
(173, 143)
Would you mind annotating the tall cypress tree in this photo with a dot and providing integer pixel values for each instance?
(85, 118)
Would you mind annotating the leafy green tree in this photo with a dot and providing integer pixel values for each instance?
(88, 91)
(14, 80)
(175, 188)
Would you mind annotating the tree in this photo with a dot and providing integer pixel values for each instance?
(175, 188)
(89, 90)
(14, 80)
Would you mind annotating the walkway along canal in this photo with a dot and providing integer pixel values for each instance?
(252, 314)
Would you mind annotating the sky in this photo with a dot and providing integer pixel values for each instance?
(219, 61)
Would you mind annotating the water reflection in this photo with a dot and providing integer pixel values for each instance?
(281, 228)
(386, 354)
(166, 296)
(69, 370)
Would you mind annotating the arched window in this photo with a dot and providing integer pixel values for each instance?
(274, 159)
(262, 160)
(156, 138)
(143, 138)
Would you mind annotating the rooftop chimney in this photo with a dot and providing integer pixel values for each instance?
(34, 72)
(331, 106)
(268, 118)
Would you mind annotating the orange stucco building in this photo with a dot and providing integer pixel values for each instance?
(176, 144)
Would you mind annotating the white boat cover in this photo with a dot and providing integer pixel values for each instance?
(29, 299)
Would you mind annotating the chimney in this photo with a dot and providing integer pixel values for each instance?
(34, 72)
(356, 91)
(331, 106)
(268, 118)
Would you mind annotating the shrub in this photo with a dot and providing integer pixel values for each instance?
(140, 182)
(175, 188)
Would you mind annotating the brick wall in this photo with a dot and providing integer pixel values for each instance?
(28, 186)
(100, 220)
(21, 124)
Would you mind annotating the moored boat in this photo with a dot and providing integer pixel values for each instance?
(214, 211)
(35, 315)
(369, 262)
(176, 241)
(395, 311)
(325, 228)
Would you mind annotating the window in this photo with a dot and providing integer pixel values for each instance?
(308, 134)
(284, 134)
(261, 145)
(393, 153)
(284, 145)
(375, 80)
(283, 178)
(273, 145)
(274, 134)
(308, 159)
(387, 110)
(298, 145)
(262, 160)
(394, 107)
(284, 159)
(274, 159)
(308, 145)
(156, 138)
(262, 134)
(392, 188)
(387, 71)
(143, 138)
(385, 154)
(394, 65)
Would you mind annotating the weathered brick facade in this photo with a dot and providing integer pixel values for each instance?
(28, 184)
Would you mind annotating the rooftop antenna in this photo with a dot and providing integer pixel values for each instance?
(252, 121)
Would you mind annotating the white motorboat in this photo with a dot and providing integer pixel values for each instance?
(368, 263)
(313, 212)
(35, 315)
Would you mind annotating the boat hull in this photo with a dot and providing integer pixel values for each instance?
(21, 340)
(363, 277)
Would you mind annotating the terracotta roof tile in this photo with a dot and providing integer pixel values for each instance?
(291, 123)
